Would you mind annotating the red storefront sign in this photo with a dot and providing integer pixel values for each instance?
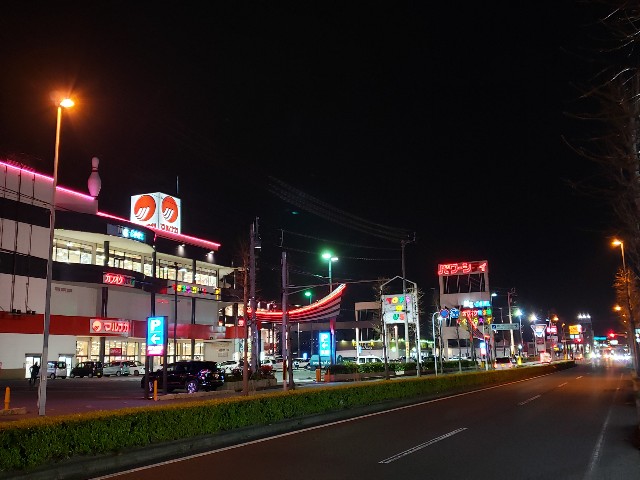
(115, 327)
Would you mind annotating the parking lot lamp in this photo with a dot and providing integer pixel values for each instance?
(42, 388)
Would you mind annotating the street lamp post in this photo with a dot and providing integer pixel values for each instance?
(330, 258)
(632, 323)
(433, 330)
(42, 388)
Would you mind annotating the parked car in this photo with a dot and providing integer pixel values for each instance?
(87, 369)
(279, 365)
(503, 363)
(302, 362)
(56, 369)
(189, 375)
(117, 368)
(228, 366)
(368, 359)
(136, 367)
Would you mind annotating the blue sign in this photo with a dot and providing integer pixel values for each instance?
(156, 327)
(324, 340)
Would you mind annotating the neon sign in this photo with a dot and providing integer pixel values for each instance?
(117, 279)
(463, 268)
(186, 289)
(120, 327)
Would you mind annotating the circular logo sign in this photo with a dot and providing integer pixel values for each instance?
(169, 209)
(144, 208)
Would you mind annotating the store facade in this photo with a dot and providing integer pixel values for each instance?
(109, 275)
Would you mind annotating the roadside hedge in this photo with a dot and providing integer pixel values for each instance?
(34, 442)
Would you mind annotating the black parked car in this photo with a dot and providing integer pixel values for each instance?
(189, 375)
(87, 369)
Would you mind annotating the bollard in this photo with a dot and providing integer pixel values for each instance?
(7, 398)
(155, 389)
(318, 374)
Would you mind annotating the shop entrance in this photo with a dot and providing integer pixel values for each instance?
(29, 360)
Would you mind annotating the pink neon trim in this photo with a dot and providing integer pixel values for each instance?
(46, 177)
(174, 236)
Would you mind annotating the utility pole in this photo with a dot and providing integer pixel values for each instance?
(286, 358)
(510, 293)
(404, 295)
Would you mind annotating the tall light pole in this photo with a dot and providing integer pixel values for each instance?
(632, 323)
(509, 294)
(42, 388)
(330, 258)
(433, 329)
(518, 314)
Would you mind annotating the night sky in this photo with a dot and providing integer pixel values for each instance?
(341, 125)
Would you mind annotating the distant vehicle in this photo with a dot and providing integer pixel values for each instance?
(56, 369)
(368, 359)
(279, 365)
(545, 357)
(136, 367)
(87, 369)
(314, 363)
(117, 368)
(302, 362)
(503, 363)
(189, 375)
(228, 366)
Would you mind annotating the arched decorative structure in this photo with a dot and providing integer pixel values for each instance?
(326, 307)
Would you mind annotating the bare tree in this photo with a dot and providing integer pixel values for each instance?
(612, 109)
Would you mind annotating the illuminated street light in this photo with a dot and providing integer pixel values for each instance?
(330, 258)
(308, 294)
(42, 387)
(632, 323)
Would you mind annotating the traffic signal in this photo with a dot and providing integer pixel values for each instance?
(611, 335)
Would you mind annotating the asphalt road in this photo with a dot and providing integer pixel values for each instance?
(574, 424)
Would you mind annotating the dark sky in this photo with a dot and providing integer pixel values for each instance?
(393, 117)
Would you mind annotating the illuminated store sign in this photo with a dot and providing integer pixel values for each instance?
(126, 232)
(157, 210)
(189, 289)
(475, 314)
(118, 327)
(476, 304)
(463, 268)
(117, 279)
(398, 308)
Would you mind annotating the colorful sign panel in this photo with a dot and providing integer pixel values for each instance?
(157, 210)
(156, 329)
(398, 308)
(194, 290)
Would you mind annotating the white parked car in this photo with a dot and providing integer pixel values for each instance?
(228, 366)
(56, 369)
(117, 368)
(136, 367)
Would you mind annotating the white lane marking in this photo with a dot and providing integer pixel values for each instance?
(597, 449)
(562, 384)
(578, 378)
(421, 446)
(529, 400)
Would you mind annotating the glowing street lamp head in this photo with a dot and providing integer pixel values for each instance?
(329, 256)
(616, 242)
(66, 103)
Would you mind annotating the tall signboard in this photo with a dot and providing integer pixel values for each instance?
(157, 210)
(156, 336)
(395, 308)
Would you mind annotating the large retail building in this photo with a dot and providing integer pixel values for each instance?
(109, 274)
